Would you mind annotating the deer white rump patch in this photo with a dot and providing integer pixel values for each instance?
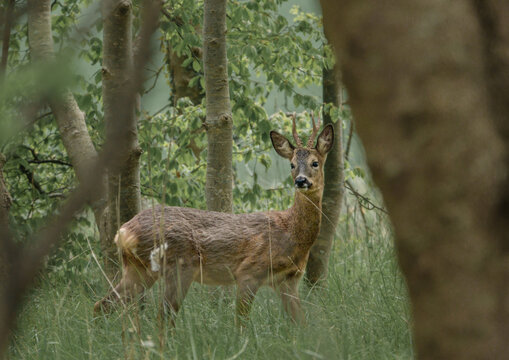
(156, 256)
(126, 241)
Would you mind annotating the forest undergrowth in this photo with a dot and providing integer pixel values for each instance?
(361, 313)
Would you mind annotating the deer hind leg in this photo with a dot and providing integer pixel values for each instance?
(135, 280)
(178, 281)
(246, 292)
(289, 292)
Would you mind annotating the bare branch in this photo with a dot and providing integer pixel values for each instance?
(31, 179)
(50, 161)
(364, 201)
(24, 263)
(349, 141)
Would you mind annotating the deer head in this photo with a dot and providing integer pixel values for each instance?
(306, 161)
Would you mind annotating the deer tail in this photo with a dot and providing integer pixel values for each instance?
(126, 241)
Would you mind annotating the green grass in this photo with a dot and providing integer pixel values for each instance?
(361, 314)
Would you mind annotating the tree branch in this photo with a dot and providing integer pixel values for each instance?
(24, 264)
(364, 201)
(50, 161)
(31, 179)
(349, 141)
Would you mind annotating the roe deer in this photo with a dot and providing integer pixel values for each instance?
(183, 245)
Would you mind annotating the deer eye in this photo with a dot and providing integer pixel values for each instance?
(315, 164)
(292, 166)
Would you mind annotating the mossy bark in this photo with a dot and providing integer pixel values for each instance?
(218, 187)
(117, 76)
(428, 85)
(316, 269)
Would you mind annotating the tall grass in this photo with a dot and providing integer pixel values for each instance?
(362, 313)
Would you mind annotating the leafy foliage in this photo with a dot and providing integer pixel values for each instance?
(270, 56)
(267, 54)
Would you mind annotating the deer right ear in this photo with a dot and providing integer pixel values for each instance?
(281, 144)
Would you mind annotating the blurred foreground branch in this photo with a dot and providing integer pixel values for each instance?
(23, 264)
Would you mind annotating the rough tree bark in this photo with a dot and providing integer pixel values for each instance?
(117, 69)
(70, 119)
(428, 82)
(317, 266)
(218, 187)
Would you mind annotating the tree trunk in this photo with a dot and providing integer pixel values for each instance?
(418, 75)
(180, 77)
(117, 70)
(70, 119)
(317, 266)
(5, 204)
(218, 187)
(6, 36)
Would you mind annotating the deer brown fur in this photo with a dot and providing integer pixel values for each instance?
(183, 245)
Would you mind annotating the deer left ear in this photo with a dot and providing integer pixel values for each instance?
(281, 144)
(325, 140)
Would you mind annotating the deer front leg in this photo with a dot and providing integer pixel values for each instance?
(135, 279)
(246, 292)
(289, 292)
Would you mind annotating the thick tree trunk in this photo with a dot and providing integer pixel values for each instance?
(218, 188)
(437, 146)
(124, 188)
(316, 269)
(70, 119)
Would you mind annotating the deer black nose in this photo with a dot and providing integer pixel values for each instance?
(302, 182)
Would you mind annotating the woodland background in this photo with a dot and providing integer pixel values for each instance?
(117, 85)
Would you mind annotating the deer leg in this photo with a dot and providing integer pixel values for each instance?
(135, 279)
(178, 281)
(246, 292)
(288, 290)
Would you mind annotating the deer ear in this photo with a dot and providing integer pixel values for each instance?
(281, 144)
(325, 140)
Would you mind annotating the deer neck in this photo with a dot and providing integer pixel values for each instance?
(306, 215)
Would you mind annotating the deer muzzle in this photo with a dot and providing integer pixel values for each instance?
(302, 182)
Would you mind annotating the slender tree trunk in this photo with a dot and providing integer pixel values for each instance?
(6, 38)
(317, 266)
(180, 77)
(428, 84)
(5, 204)
(70, 119)
(218, 188)
(124, 188)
